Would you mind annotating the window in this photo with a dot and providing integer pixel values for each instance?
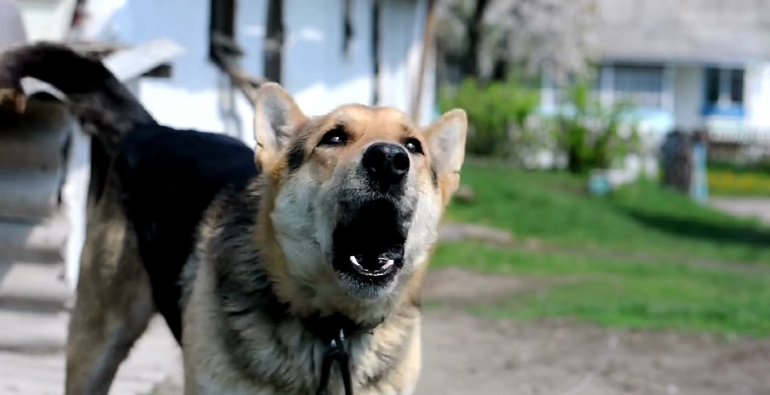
(723, 92)
(736, 86)
(641, 85)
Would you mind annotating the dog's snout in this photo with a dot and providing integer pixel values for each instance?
(385, 163)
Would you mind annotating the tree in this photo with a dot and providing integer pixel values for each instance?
(491, 37)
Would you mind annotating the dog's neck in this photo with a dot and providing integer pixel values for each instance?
(328, 327)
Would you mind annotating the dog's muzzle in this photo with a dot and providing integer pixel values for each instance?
(375, 213)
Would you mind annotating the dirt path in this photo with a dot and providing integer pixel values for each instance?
(469, 355)
(744, 207)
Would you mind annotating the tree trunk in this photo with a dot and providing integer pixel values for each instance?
(500, 70)
(475, 34)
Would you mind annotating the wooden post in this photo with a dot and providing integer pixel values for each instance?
(427, 43)
(274, 40)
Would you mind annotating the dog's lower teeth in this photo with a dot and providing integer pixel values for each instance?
(382, 269)
(355, 263)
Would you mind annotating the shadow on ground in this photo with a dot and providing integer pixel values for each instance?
(698, 229)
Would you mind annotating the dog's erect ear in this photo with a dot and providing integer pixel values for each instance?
(446, 144)
(276, 118)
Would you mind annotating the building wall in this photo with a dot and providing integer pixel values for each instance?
(688, 96)
(315, 69)
(757, 96)
(684, 90)
(46, 19)
(689, 100)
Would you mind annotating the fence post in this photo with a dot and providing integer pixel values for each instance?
(677, 161)
(699, 184)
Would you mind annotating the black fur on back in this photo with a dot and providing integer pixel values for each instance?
(168, 178)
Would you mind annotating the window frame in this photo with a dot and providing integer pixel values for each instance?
(652, 72)
(724, 105)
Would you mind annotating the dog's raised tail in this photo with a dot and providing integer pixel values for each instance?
(105, 107)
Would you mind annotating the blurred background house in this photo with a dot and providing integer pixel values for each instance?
(687, 65)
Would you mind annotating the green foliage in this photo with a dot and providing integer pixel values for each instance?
(494, 110)
(590, 133)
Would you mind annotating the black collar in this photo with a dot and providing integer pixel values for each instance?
(328, 327)
(332, 331)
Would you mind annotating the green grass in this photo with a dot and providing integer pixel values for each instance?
(641, 218)
(612, 292)
(633, 246)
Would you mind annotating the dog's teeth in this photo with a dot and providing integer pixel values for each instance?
(354, 261)
(387, 264)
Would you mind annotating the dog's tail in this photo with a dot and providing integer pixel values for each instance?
(104, 106)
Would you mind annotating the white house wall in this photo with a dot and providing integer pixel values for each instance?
(757, 96)
(46, 19)
(688, 96)
(397, 42)
(190, 97)
(315, 69)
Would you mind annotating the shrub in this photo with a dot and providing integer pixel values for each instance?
(494, 111)
(590, 134)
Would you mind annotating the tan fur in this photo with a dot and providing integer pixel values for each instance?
(114, 300)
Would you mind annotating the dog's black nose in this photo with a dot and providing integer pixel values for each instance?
(385, 163)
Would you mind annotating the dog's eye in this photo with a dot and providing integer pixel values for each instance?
(413, 146)
(335, 136)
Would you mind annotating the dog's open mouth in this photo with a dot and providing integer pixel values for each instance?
(371, 267)
(369, 245)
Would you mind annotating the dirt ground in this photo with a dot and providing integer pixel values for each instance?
(464, 354)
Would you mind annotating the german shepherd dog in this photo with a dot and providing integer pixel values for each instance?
(256, 259)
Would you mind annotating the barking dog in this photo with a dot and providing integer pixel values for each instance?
(257, 259)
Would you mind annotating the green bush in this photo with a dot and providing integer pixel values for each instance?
(494, 110)
(590, 134)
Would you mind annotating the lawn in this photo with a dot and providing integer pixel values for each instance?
(641, 260)
(638, 219)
